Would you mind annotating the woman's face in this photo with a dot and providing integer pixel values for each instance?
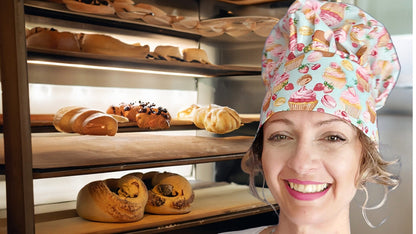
(311, 162)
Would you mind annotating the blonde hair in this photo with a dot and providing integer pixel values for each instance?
(373, 169)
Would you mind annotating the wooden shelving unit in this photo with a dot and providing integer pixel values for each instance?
(29, 155)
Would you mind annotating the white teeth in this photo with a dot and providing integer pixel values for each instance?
(308, 188)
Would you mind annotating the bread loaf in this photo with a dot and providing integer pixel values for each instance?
(169, 193)
(113, 200)
(107, 45)
(46, 38)
(84, 121)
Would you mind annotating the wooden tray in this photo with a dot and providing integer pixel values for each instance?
(220, 203)
(63, 154)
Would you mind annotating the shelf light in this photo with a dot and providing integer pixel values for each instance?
(39, 62)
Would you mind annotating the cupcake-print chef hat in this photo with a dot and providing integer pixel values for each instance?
(329, 57)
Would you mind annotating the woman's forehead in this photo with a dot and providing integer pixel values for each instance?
(310, 118)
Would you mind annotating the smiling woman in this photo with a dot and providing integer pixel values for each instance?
(327, 68)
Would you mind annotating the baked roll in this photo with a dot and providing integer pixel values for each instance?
(169, 193)
(113, 200)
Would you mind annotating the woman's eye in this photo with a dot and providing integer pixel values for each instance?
(334, 138)
(278, 137)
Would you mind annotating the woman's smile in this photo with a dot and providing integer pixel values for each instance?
(306, 190)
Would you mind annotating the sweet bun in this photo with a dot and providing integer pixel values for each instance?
(84, 121)
(169, 193)
(222, 120)
(99, 7)
(52, 39)
(107, 45)
(113, 200)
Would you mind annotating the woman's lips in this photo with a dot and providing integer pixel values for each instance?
(306, 190)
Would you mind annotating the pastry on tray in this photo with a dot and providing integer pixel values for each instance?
(145, 114)
(213, 118)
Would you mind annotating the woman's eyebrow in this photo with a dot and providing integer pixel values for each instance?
(329, 121)
(282, 121)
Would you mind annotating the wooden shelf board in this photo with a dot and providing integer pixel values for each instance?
(62, 154)
(83, 58)
(211, 205)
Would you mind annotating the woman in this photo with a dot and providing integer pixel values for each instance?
(327, 68)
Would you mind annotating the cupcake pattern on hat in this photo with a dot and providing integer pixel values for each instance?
(329, 57)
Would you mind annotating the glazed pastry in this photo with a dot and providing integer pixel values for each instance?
(107, 45)
(153, 118)
(113, 200)
(145, 114)
(49, 38)
(99, 7)
(84, 121)
(169, 193)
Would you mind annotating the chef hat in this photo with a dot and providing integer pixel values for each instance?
(332, 58)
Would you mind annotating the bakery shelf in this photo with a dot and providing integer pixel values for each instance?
(65, 154)
(81, 58)
(59, 11)
(211, 204)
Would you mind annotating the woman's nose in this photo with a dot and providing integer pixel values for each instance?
(303, 159)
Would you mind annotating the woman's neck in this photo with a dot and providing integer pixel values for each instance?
(336, 225)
